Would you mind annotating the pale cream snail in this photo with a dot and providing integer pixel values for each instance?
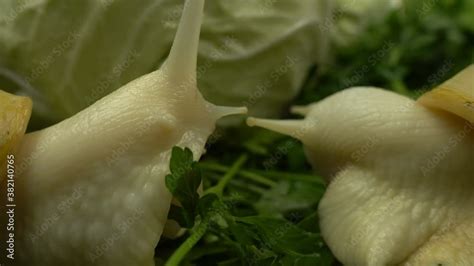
(401, 172)
(90, 189)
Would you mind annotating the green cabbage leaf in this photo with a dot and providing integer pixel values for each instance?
(68, 54)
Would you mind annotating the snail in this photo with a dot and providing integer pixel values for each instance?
(90, 190)
(400, 172)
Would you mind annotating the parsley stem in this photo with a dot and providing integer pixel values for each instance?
(291, 176)
(190, 242)
(239, 184)
(400, 87)
(246, 174)
(260, 176)
(232, 171)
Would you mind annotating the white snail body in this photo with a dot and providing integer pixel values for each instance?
(400, 173)
(91, 188)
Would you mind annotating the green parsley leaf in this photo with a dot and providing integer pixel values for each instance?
(183, 182)
(289, 196)
(283, 236)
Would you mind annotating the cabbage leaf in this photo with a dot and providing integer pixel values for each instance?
(68, 54)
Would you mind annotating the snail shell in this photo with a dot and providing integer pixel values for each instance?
(15, 112)
(455, 95)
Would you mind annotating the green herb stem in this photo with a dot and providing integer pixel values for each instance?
(290, 176)
(260, 176)
(400, 87)
(240, 184)
(232, 171)
(190, 242)
(246, 174)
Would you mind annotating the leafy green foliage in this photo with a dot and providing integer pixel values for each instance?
(244, 230)
(289, 196)
(183, 182)
(209, 204)
(282, 236)
(262, 240)
(410, 51)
